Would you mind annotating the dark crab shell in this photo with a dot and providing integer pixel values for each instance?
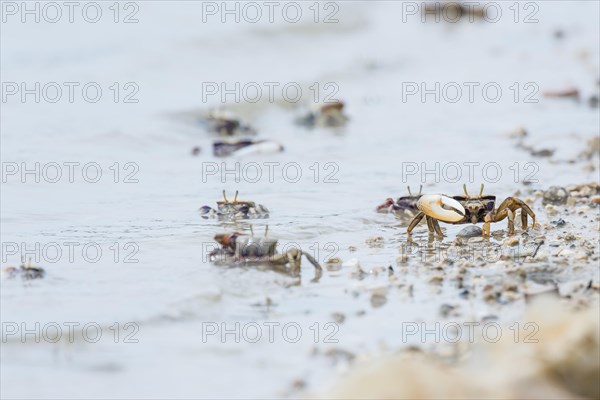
(243, 249)
(407, 203)
(251, 246)
(404, 203)
(227, 207)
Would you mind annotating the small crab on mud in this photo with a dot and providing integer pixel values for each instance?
(240, 249)
(25, 271)
(469, 209)
(235, 209)
(325, 115)
(404, 206)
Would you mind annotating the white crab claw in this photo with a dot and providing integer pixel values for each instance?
(441, 207)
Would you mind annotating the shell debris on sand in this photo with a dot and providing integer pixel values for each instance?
(375, 241)
(334, 264)
(511, 241)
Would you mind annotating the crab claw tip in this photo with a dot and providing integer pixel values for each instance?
(441, 207)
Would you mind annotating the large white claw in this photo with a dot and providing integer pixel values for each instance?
(441, 207)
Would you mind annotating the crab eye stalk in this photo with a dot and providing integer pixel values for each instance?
(441, 207)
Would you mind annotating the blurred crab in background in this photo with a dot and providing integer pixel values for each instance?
(469, 209)
(25, 271)
(405, 206)
(225, 124)
(325, 115)
(240, 249)
(235, 209)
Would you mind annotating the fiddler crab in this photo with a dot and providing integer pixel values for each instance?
(235, 209)
(25, 271)
(225, 124)
(240, 249)
(469, 209)
(405, 205)
(326, 115)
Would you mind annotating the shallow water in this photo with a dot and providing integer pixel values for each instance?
(173, 291)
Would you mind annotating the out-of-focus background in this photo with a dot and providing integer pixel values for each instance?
(152, 62)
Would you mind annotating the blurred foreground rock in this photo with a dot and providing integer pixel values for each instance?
(563, 363)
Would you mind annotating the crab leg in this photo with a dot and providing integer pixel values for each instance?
(312, 260)
(514, 204)
(436, 226)
(415, 222)
(511, 222)
(524, 220)
(430, 227)
(485, 230)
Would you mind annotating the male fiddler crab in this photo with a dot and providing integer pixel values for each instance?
(26, 271)
(404, 206)
(469, 209)
(240, 249)
(235, 209)
(325, 115)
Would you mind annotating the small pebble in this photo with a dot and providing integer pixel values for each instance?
(519, 132)
(559, 222)
(570, 236)
(378, 300)
(338, 317)
(446, 309)
(470, 232)
(334, 264)
(555, 195)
